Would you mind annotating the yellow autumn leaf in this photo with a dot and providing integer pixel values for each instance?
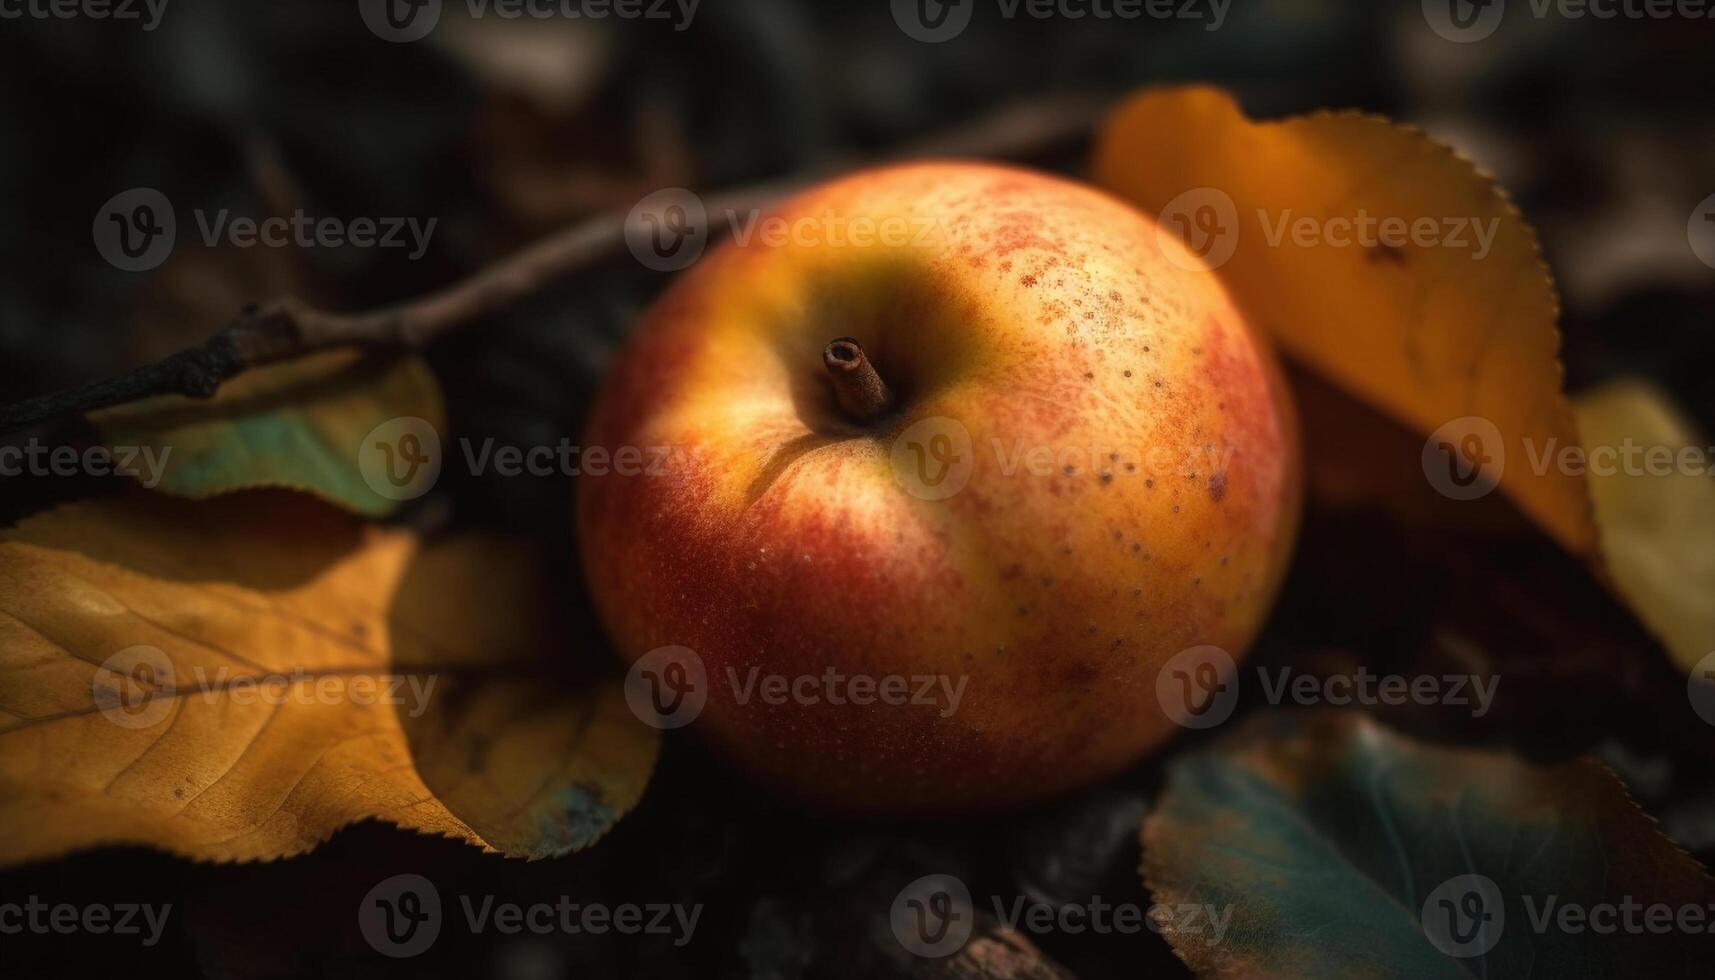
(238, 678)
(1390, 265)
(1650, 477)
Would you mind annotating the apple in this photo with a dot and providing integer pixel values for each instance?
(941, 464)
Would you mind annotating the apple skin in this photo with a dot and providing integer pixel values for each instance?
(778, 537)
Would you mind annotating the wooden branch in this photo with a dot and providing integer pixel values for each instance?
(284, 329)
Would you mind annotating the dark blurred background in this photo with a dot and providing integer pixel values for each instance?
(1603, 130)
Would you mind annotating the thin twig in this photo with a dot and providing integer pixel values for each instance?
(285, 329)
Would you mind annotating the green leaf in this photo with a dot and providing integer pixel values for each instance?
(304, 425)
(1342, 849)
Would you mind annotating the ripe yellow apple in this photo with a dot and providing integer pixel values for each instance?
(941, 463)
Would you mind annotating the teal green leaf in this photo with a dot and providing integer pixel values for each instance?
(302, 425)
(1337, 848)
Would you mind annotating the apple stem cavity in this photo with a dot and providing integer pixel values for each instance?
(862, 395)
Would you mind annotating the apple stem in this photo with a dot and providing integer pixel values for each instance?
(862, 395)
